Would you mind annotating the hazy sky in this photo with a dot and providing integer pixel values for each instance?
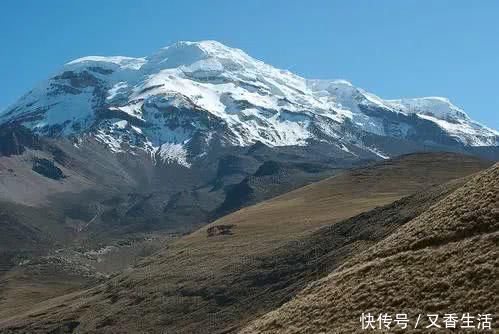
(393, 48)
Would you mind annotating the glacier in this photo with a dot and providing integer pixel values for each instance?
(192, 93)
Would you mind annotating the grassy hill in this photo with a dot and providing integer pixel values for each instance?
(443, 261)
(247, 263)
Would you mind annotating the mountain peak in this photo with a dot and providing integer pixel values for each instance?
(185, 53)
(208, 46)
(181, 53)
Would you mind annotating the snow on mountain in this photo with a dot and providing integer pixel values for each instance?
(449, 117)
(187, 94)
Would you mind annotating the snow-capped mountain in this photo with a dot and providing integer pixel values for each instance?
(187, 97)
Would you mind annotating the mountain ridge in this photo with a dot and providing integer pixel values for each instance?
(186, 98)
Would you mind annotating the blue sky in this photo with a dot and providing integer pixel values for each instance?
(393, 48)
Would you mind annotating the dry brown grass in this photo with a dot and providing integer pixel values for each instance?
(444, 261)
(193, 285)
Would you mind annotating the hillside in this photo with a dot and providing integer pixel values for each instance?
(53, 194)
(444, 261)
(247, 263)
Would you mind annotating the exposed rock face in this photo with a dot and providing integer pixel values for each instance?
(14, 140)
(47, 168)
(219, 230)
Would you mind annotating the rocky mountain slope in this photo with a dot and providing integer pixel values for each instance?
(443, 261)
(247, 263)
